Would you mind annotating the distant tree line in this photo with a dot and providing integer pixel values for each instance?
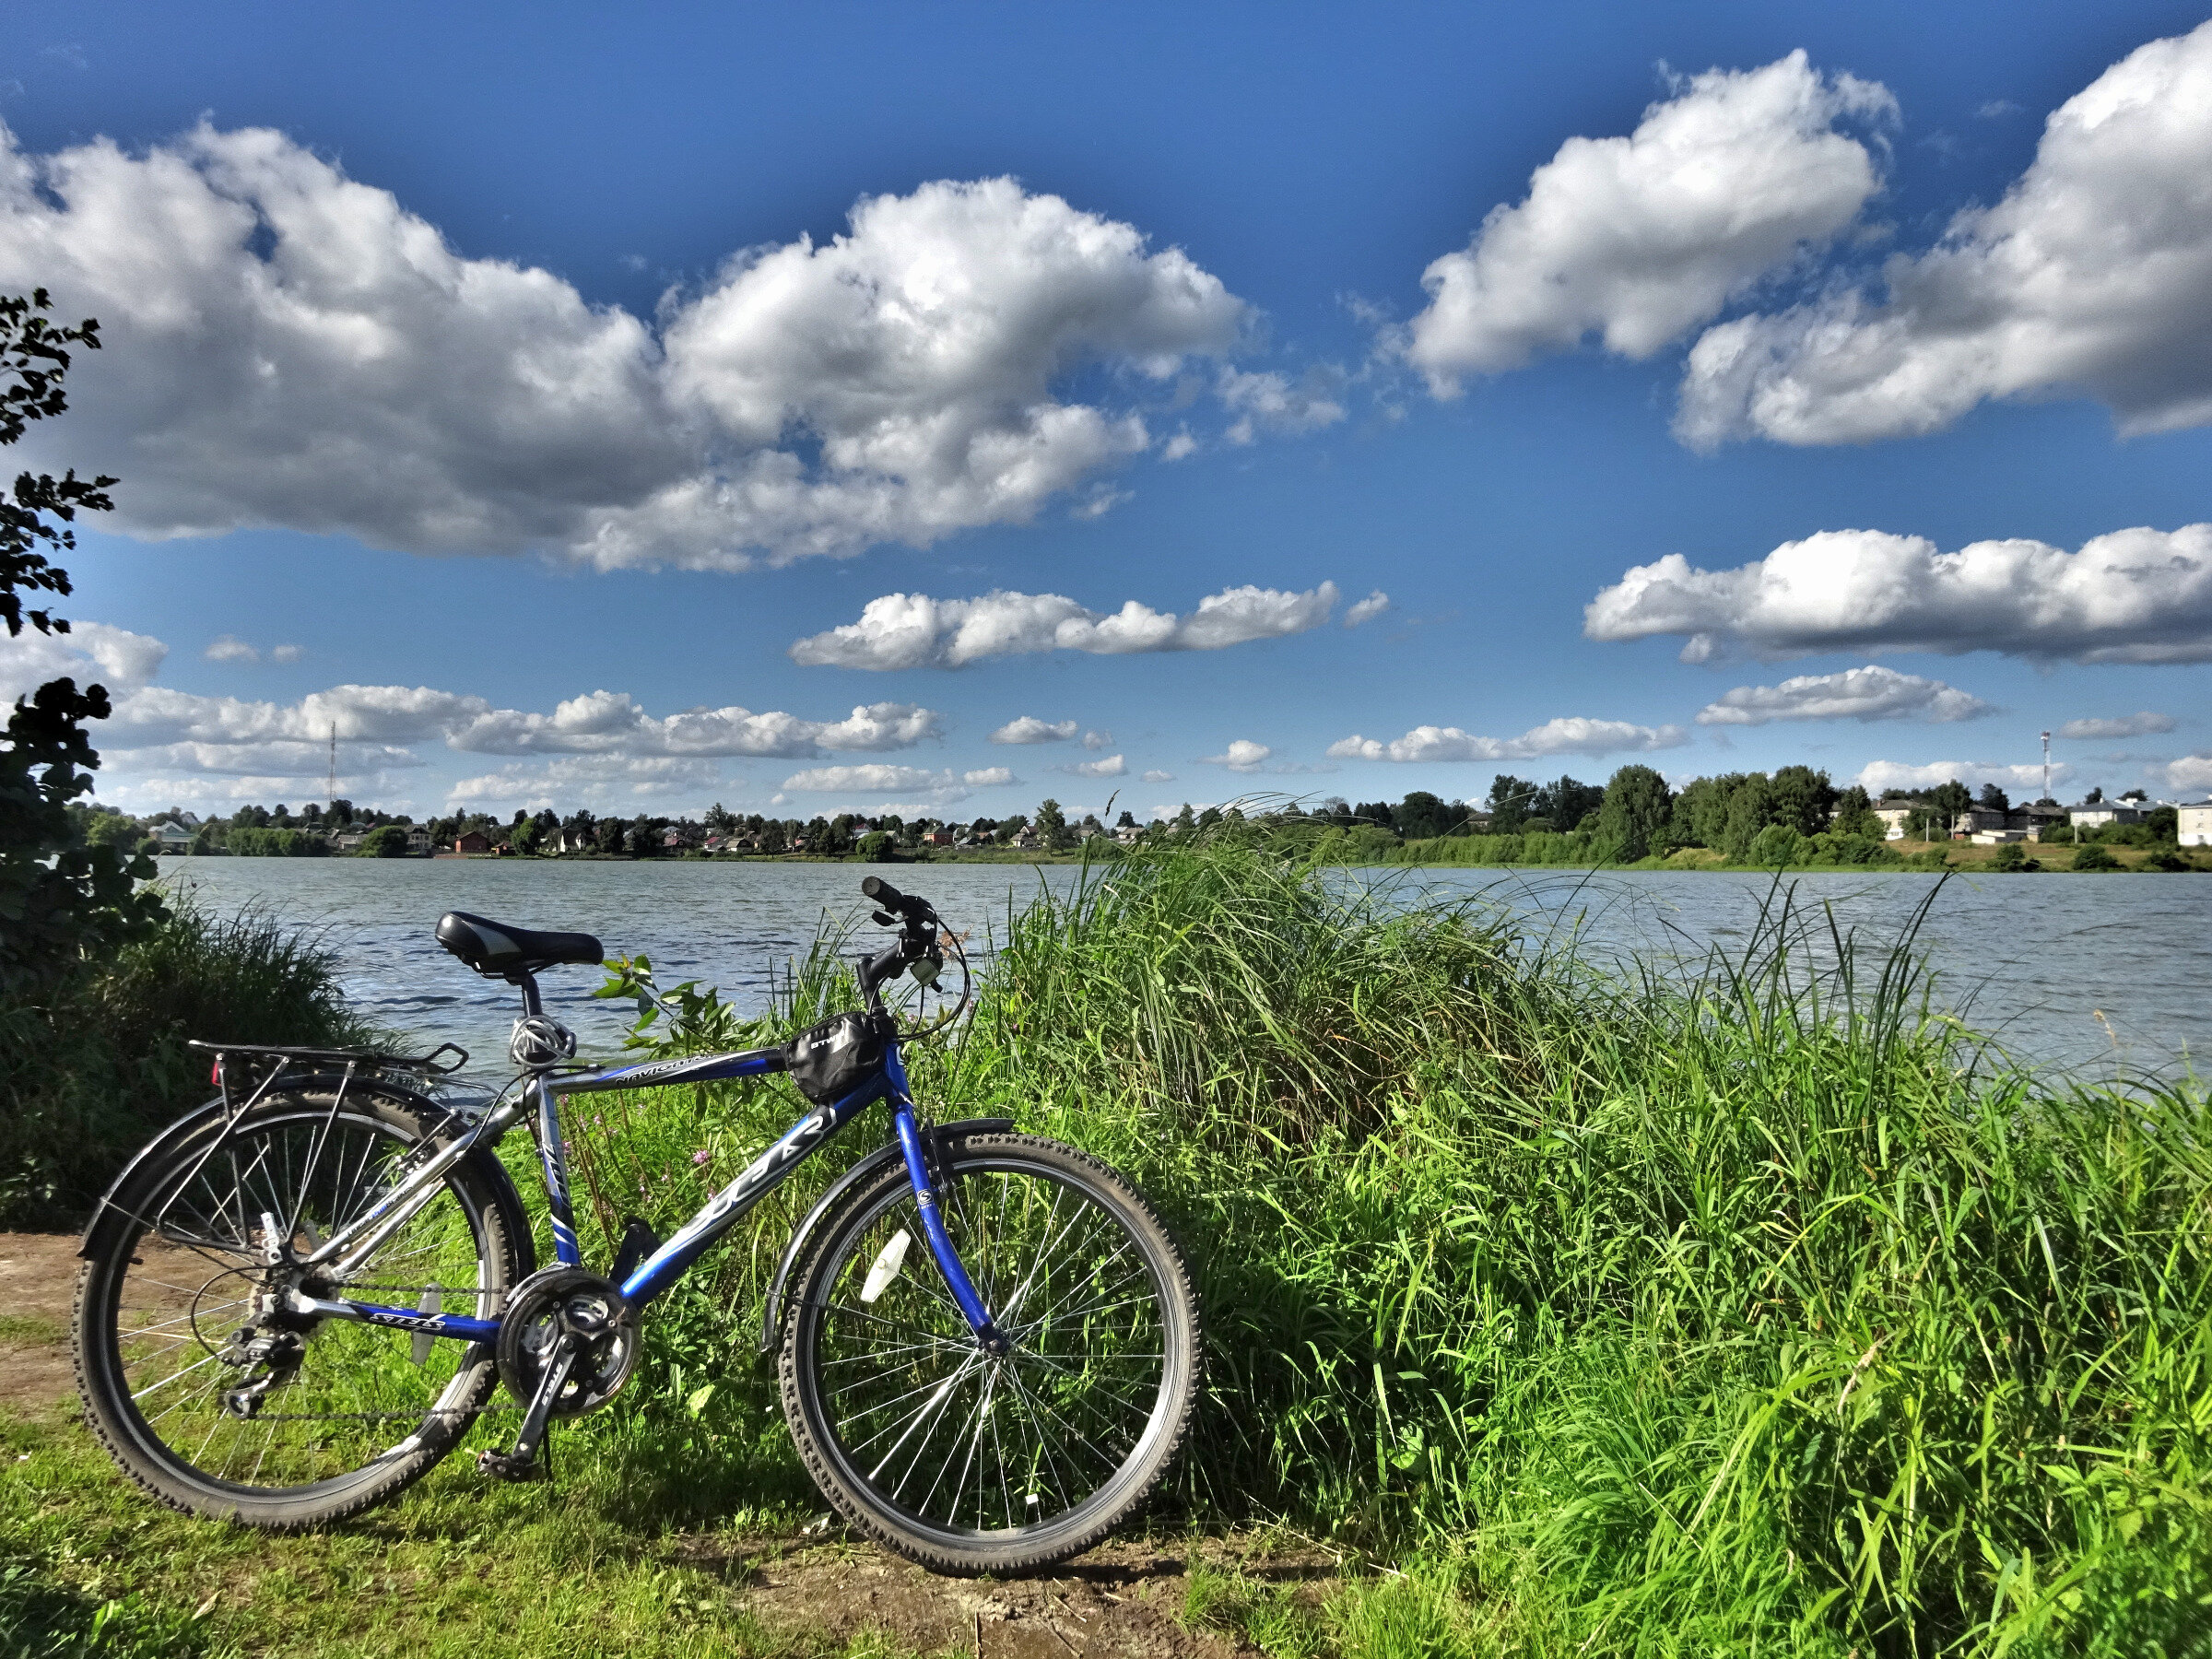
(1794, 815)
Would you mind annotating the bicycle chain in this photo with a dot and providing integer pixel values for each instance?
(380, 1417)
(388, 1417)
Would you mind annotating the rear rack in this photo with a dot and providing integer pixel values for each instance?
(375, 1059)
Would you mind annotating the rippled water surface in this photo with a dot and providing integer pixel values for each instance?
(2090, 973)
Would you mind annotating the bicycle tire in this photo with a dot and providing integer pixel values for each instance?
(1109, 1280)
(172, 1277)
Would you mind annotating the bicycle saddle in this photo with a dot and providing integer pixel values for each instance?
(493, 947)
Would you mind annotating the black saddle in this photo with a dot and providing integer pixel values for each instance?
(495, 949)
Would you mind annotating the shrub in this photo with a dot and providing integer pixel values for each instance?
(2092, 856)
(386, 840)
(89, 1072)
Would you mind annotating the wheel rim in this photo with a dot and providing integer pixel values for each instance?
(356, 1398)
(963, 1444)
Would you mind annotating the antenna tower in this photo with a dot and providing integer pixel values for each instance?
(331, 799)
(2046, 766)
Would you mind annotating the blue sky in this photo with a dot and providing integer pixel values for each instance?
(498, 361)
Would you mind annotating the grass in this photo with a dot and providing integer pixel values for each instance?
(1752, 1311)
(90, 1071)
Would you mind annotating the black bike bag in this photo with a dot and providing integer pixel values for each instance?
(831, 1060)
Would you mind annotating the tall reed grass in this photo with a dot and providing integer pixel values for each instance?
(1752, 1308)
(91, 1069)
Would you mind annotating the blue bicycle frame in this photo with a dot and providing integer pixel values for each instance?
(543, 1096)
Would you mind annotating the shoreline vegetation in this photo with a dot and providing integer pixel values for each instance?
(1795, 820)
(1748, 1308)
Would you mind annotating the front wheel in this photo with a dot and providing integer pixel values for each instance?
(970, 1462)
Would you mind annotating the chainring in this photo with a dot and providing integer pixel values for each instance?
(568, 1300)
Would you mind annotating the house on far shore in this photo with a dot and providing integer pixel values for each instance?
(348, 841)
(476, 841)
(2096, 815)
(174, 837)
(939, 838)
(1893, 814)
(418, 839)
(2193, 823)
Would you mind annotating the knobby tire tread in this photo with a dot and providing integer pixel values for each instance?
(511, 1243)
(1011, 1559)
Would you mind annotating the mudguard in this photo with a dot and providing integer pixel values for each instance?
(481, 1160)
(772, 1316)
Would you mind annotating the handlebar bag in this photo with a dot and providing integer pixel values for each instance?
(832, 1060)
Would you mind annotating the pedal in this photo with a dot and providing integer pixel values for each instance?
(639, 1244)
(512, 1466)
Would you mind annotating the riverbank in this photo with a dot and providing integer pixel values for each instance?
(1562, 853)
(1758, 1310)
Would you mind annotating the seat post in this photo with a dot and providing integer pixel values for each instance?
(531, 1008)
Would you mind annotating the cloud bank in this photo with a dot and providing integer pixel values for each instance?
(913, 631)
(1639, 240)
(157, 732)
(2127, 725)
(1867, 694)
(2138, 595)
(1573, 735)
(294, 348)
(2093, 276)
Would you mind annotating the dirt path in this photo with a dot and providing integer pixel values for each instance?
(1124, 1600)
(38, 1288)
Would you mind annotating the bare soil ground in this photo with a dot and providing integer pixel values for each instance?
(37, 1287)
(1124, 1600)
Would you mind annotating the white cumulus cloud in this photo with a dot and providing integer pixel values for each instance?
(2139, 595)
(1273, 402)
(1639, 240)
(89, 653)
(1028, 728)
(292, 346)
(230, 648)
(1160, 777)
(610, 722)
(989, 777)
(1241, 756)
(1869, 693)
(2093, 276)
(1113, 766)
(913, 631)
(1573, 735)
(1879, 777)
(1367, 609)
(2190, 775)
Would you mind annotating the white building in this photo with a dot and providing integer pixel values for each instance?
(2194, 823)
(1893, 814)
(2096, 815)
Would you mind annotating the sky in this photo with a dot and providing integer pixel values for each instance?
(931, 409)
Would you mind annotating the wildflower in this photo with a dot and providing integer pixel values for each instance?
(700, 1156)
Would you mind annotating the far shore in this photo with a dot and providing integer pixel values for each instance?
(1962, 857)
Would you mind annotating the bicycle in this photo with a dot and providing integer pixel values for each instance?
(996, 1409)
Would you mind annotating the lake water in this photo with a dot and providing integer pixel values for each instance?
(2090, 974)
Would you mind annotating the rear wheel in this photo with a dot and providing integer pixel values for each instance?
(966, 1461)
(222, 1410)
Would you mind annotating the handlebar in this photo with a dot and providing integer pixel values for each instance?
(915, 911)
